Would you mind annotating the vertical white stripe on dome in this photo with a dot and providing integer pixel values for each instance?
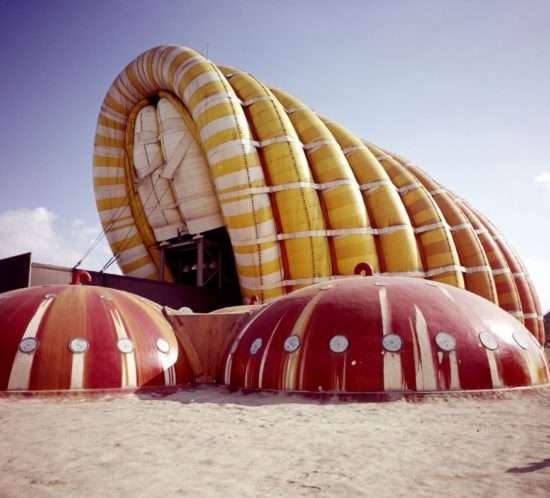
(77, 371)
(393, 372)
(493, 368)
(455, 378)
(168, 369)
(424, 367)
(129, 372)
(20, 374)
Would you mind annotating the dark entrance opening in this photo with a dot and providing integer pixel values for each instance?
(204, 260)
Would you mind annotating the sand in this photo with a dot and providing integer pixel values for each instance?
(209, 442)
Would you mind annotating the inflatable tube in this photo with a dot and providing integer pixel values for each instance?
(303, 200)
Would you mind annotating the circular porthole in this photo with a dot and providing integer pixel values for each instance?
(125, 346)
(339, 344)
(79, 345)
(392, 343)
(292, 343)
(255, 346)
(28, 345)
(488, 340)
(445, 341)
(521, 339)
(163, 345)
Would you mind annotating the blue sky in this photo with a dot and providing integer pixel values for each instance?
(458, 87)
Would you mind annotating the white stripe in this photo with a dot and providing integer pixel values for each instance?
(425, 372)
(530, 316)
(20, 374)
(462, 226)
(243, 177)
(167, 62)
(267, 281)
(108, 172)
(317, 144)
(223, 123)
(254, 258)
(501, 271)
(235, 345)
(245, 206)
(262, 98)
(280, 139)
(128, 84)
(376, 185)
(109, 215)
(382, 183)
(109, 191)
(438, 191)
(198, 82)
(104, 150)
(128, 359)
(258, 234)
(231, 149)
(184, 68)
(119, 98)
(353, 148)
(393, 373)
(493, 368)
(144, 271)
(286, 186)
(168, 369)
(132, 254)
(212, 101)
(121, 234)
(77, 371)
(113, 115)
(411, 186)
(109, 132)
(516, 314)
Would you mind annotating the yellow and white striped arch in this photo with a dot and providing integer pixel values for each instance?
(303, 199)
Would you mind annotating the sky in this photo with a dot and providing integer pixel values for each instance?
(461, 88)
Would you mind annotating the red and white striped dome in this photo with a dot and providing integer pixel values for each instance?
(376, 334)
(73, 337)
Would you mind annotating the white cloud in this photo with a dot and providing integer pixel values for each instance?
(50, 239)
(544, 180)
(539, 270)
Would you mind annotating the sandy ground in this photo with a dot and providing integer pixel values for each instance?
(208, 442)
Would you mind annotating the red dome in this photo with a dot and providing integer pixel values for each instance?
(375, 334)
(71, 337)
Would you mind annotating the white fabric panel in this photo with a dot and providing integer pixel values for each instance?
(147, 152)
(187, 166)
